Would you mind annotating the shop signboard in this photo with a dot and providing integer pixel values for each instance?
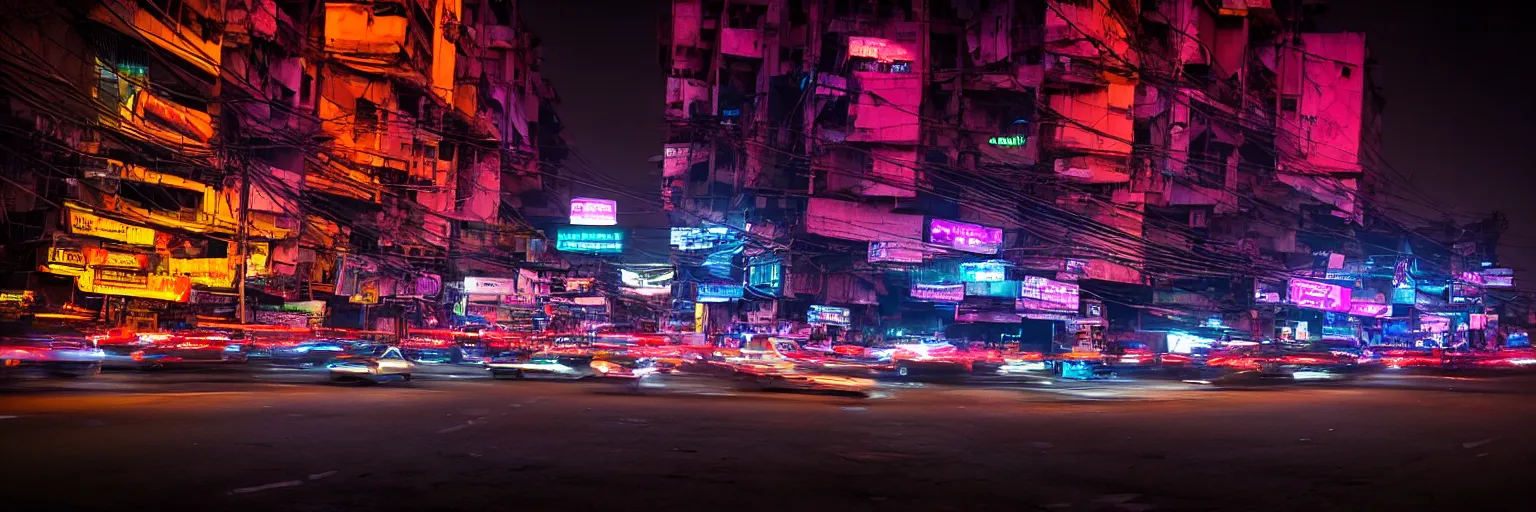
(283, 318)
(82, 223)
(647, 280)
(66, 261)
(713, 292)
(1003, 289)
(828, 315)
(308, 307)
(1370, 310)
(882, 50)
(938, 292)
(210, 298)
(98, 257)
(209, 272)
(489, 286)
(984, 271)
(966, 237)
(895, 252)
(1041, 294)
(1499, 278)
(17, 296)
(693, 239)
(590, 239)
(107, 281)
(587, 211)
(1434, 324)
(1310, 294)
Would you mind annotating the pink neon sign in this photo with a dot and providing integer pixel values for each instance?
(1370, 310)
(965, 237)
(586, 211)
(1316, 295)
(1041, 294)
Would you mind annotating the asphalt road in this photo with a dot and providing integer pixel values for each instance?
(250, 440)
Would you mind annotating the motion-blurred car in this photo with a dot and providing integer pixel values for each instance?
(569, 365)
(159, 350)
(58, 354)
(431, 350)
(1021, 362)
(317, 353)
(378, 363)
(1270, 361)
(1129, 355)
(799, 377)
(714, 377)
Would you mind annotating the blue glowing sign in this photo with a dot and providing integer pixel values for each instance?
(710, 292)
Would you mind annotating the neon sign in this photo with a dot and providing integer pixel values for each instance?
(1011, 141)
(586, 211)
(594, 240)
(984, 271)
(897, 252)
(129, 284)
(1317, 295)
(965, 237)
(1041, 294)
(938, 292)
(719, 292)
(82, 223)
(828, 315)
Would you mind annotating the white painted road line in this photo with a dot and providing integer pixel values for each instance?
(278, 485)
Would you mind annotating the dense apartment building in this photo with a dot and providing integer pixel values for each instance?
(345, 162)
(1080, 171)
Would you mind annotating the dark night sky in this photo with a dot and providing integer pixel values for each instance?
(1456, 119)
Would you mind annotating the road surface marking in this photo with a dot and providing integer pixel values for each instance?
(9, 417)
(1475, 444)
(278, 485)
(318, 476)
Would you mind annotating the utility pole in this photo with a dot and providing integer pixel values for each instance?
(243, 237)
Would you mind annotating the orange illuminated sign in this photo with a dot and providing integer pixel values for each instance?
(210, 272)
(883, 50)
(97, 257)
(64, 261)
(131, 284)
(82, 223)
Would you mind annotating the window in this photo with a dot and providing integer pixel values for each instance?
(159, 197)
(367, 116)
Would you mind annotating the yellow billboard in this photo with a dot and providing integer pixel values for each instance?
(132, 284)
(210, 272)
(82, 223)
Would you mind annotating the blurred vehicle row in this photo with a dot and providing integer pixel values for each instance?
(645, 362)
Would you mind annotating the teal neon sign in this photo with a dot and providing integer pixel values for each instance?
(590, 239)
(1011, 141)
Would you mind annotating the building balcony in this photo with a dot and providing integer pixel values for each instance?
(186, 43)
